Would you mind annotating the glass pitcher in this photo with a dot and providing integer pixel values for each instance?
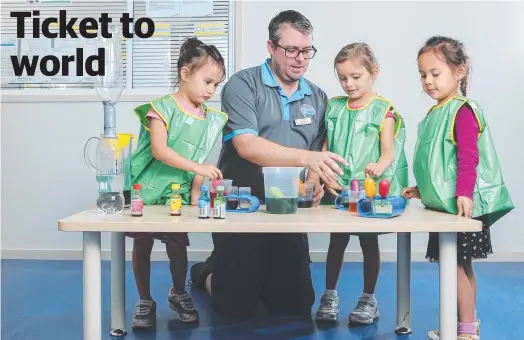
(109, 169)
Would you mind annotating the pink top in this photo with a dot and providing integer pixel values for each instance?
(466, 134)
(197, 112)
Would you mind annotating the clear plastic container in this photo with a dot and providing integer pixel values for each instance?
(109, 170)
(244, 203)
(281, 189)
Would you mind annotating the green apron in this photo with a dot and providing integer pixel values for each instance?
(190, 136)
(435, 164)
(354, 134)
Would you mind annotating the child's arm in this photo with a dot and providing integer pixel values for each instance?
(466, 133)
(195, 189)
(168, 156)
(387, 148)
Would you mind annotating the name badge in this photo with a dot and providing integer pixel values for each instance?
(303, 121)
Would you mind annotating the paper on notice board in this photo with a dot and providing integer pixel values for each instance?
(8, 47)
(34, 47)
(196, 8)
(90, 48)
(162, 8)
(66, 46)
(210, 29)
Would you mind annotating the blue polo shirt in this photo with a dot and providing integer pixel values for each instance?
(256, 104)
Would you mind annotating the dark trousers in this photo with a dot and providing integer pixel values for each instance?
(273, 268)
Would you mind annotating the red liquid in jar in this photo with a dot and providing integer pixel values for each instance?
(212, 196)
(352, 207)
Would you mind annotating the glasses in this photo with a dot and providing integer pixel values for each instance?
(293, 52)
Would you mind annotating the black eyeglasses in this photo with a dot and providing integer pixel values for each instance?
(293, 52)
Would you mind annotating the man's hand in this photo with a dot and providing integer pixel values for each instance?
(411, 192)
(465, 206)
(318, 192)
(324, 164)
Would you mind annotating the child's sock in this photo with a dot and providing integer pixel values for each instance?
(366, 295)
(467, 328)
(331, 292)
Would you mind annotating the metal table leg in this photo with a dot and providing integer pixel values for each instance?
(118, 296)
(448, 285)
(92, 286)
(403, 284)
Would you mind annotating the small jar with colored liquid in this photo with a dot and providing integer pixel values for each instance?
(354, 196)
(137, 201)
(231, 203)
(305, 195)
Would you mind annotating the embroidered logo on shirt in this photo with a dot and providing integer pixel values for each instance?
(307, 110)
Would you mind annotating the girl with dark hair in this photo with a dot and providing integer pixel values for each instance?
(177, 134)
(456, 168)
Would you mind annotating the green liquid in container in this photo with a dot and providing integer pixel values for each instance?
(284, 205)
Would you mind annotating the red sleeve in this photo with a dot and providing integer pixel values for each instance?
(466, 134)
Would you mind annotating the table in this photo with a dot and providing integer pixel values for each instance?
(323, 219)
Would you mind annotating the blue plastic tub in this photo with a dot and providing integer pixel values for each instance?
(254, 203)
(379, 207)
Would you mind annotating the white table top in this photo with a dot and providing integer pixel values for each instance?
(323, 219)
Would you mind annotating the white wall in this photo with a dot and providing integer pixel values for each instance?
(40, 139)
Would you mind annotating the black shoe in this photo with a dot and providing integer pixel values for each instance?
(198, 274)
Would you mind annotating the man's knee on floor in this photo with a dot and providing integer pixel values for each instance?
(208, 284)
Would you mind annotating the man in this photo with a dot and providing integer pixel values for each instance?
(276, 118)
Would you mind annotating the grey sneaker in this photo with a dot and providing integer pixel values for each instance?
(434, 335)
(328, 309)
(145, 314)
(183, 305)
(366, 311)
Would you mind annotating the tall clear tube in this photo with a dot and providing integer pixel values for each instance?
(110, 85)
